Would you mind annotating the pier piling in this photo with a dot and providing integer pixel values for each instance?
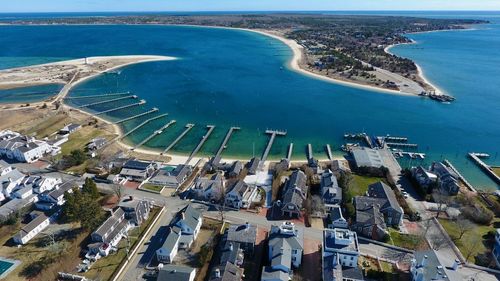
(273, 134)
(154, 134)
(142, 124)
(140, 115)
(141, 102)
(188, 128)
(486, 168)
(107, 101)
(223, 145)
(200, 144)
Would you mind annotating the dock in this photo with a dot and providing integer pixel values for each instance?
(309, 152)
(97, 96)
(200, 144)
(273, 134)
(396, 139)
(141, 102)
(224, 145)
(485, 167)
(142, 124)
(329, 152)
(469, 186)
(153, 110)
(154, 134)
(398, 144)
(290, 151)
(107, 101)
(188, 128)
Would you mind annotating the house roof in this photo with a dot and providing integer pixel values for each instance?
(368, 212)
(13, 175)
(133, 172)
(191, 216)
(336, 213)
(294, 237)
(352, 273)
(175, 272)
(110, 222)
(239, 187)
(228, 272)
(367, 157)
(172, 238)
(269, 274)
(432, 267)
(137, 165)
(242, 233)
(296, 189)
(383, 191)
(55, 194)
(33, 224)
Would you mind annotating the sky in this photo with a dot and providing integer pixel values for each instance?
(8, 6)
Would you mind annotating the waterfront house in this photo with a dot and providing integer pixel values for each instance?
(35, 226)
(136, 210)
(340, 166)
(388, 203)
(286, 245)
(253, 165)
(367, 157)
(173, 178)
(496, 248)
(294, 194)
(337, 220)
(184, 229)
(136, 170)
(331, 193)
(424, 178)
(240, 195)
(69, 129)
(340, 253)
(95, 144)
(111, 231)
(22, 148)
(176, 272)
(235, 169)
(448, 180)
(209, 189)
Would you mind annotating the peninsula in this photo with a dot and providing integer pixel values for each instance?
(351, 50)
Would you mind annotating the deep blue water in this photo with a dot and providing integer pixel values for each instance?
(230, 77)
(29, 94)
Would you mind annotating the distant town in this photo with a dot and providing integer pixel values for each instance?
(74, 206)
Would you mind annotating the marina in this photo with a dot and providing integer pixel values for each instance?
(476, 158)
(141, 102)
(171, 145)
(107, 101)
(154, 134)
(200, 144)
(153, 110)
(96, 96)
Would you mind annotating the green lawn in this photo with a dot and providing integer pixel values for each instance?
(49, 126)
(359, 184)
(152, 187)
(469, 245)
(80, 138)
(496, 170)
(407, 241)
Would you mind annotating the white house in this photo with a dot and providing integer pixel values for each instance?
(337, 219)
(176, 272)
(112, 229)
(209, 189)
(57, 196)
(10, 180)
(240, 195)
(23, 192)
(22, 148)
(170, 247)
(30, 230)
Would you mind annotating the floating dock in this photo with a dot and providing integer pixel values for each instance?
(200, 144)
(142, 124)
(329, 152)
(141, 102)
(154, 109)
(224, 145)
(395, 139)
(107, 101)
(188, 128)
(398, 144)
(290, 151)
(154, 134)
(485, 167)
(97, 96)
(273, 134)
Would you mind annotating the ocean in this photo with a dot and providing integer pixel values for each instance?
(237, 78)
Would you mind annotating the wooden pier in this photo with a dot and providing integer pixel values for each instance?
(309, 152)
(395, 139)
(188, 128)
(485, 167)
(154, 134)
(141, 102)
(224, 145)
(153, 110)
(200, 144)
(142, 124)
(273, 134)
(97, 96)
(398, 144)
(469, 186)
(290, 151)
(329, 152)
(107, 101)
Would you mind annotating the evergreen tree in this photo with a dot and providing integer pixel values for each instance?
(90, 188)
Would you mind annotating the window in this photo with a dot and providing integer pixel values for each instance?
(352, 258)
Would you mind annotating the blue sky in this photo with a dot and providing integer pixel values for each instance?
(240, 5)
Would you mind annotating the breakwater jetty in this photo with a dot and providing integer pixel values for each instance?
(476, 158)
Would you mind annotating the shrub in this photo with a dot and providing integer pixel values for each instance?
(478, 214)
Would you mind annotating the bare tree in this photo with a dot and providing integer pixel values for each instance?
(464, 226)
(117, 190)
(441, 200)
(471, 245)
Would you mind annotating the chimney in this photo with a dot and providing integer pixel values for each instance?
(424, 261)
(455, 264)
(438, 273)
(217, 273)
(231, 247)
(183, 216)
(247, 225)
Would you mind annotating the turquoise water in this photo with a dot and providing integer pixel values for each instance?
(4, 266)
(29, 94)
(231, 77)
